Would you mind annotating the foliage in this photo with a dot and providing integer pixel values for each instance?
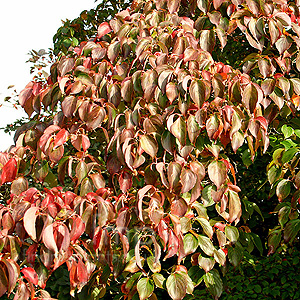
(83, 28)
(144, 162)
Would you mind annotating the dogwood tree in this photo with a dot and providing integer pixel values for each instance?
(132, 171)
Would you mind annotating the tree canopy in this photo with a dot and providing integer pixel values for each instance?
(162, 148)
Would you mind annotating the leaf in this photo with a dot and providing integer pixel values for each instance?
(13, 270)
(220, 257)
(193, 128)
(69, 106)
(235, 255)
(158, 280)
(174, 170)
(172, 91)
(287, 131)
(18, 186)
(250, 97)
(203, 5)
(217, 173)
(155, 267)
(237, 141)
(206, 263)
(206, 245)
(214, 283)
(176, 286)
(268, 86)
(113, 51)
(65, 65)
(141, 46)
(207, 228)
(289, 154)
(103, 29)
(149, 145)
(291, 230)
(207, 40)
(145, 288)
(81, 171)
(61, 137)
(29, 222)
(197, 92)
(3, 281)
(31, 275)
(48, 239)
(178, 129)
(9, 171)
(125, 180)
(283, 189)
(283, 44)
(232, 233)
(235, 209)
(190, 243)
(188, 180)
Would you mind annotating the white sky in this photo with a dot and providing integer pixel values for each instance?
(27, 25)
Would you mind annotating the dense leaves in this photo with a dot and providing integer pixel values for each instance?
(133, 174)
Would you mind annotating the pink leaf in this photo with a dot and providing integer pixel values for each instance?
(103, 29)
(48, 239)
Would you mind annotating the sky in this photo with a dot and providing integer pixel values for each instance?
(27, 25)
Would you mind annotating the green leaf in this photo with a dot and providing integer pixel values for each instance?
(145, 288)
(274, 174)
(289, 154)
(291, 230)
(190, 243)
(283, 215)
(206, 245)
(81, 171)
(214, 283)
(283, 189)
(207, 197)
(197, 92)
(235, 255)
(178, 129)
(232, 233)
(155, 267)
(207, 228)
(176, 286)
(158, 280)
(287, 131)
(174, 170)
(149, 145)
(193, 128)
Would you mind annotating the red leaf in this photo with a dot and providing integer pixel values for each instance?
(31, 275)
(125, 180)
(77, 228)
(173, 245)
(9, 171)
(103, 29)
(61, 138)
(13, 274)
(82, 273)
